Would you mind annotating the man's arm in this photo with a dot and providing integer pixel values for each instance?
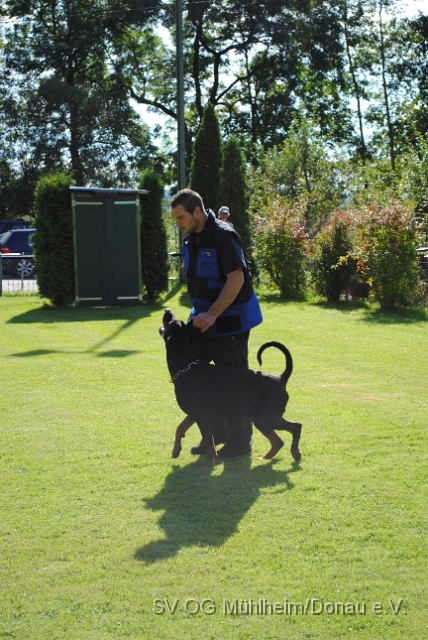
(232, 286)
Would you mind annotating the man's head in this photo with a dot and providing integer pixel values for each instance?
(188, 211)
(223, 213)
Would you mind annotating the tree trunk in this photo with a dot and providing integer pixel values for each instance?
(385, 91)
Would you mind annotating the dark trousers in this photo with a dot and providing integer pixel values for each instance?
(227, 351)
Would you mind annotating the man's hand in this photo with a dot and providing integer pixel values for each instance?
(233, 284)
(204, 321)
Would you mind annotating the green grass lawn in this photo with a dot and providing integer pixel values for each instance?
(103, 535)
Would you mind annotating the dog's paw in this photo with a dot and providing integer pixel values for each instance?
(176, 450)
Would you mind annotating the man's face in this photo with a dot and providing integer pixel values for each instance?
(186, 221)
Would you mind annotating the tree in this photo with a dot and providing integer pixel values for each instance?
(154, 250)
(356, 34)
(61, 100)
(233, 193)
(255, 61)
(300, 170)
(53, 240)
(207, 159)
(411, 68)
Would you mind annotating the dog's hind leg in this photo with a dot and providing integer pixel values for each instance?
(180, 432)
(267, 424)
(275, 444)
(295, 428)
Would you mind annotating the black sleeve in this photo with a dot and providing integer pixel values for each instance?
(230, 254)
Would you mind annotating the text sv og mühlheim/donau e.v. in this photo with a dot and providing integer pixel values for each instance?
(263, 607)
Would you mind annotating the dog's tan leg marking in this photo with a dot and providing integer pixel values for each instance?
(180, 432)
(295, 453)
(294, 449)
(275, 445)
(211, 454)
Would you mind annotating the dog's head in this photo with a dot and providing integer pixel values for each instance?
(170, 325)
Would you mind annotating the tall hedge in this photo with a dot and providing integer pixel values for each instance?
(154, 245)
(207, 159)
(53, 240)
(233, 193)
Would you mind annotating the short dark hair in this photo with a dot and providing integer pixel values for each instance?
(188, 199)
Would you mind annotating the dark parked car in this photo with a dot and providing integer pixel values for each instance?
(9, 225)
(17, 253)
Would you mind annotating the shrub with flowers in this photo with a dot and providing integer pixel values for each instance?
(388, 241)
(333, 260)
(281, 248)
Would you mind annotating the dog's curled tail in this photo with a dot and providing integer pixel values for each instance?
(288, 359)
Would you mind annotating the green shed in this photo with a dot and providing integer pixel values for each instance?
(107, 253)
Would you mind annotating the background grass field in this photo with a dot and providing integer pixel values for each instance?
(102, 533)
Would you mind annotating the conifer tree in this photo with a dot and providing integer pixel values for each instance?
(207, 159)
(53, 240)
(233, 193)
(154, 248)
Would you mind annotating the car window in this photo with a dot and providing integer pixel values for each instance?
(5, 237)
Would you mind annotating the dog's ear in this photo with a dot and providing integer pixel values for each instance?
(168, 316)
(171, 329)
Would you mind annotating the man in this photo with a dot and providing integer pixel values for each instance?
(224, 304)
(224, 213)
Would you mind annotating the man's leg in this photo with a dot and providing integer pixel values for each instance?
(202, 347)
(232, 351)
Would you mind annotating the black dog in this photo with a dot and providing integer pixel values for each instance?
(206, 391)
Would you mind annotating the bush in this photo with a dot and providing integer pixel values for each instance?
(53, 240)
(388, 246)
(154, 245)
(281, 249)
(333, 259)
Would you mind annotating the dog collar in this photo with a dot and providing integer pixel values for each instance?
(179, 373)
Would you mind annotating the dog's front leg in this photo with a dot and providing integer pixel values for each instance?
(211, 452)
(180, 432)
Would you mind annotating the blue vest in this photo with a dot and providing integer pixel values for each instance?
(205, 280)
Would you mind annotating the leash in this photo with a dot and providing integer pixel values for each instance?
(179, 373)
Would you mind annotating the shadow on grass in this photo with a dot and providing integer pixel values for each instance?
(48, 314)
(130, 314)
(178, 288)
(33, 353)
(114, 353)
(205, 510)
(403, 316)
(371, 312)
